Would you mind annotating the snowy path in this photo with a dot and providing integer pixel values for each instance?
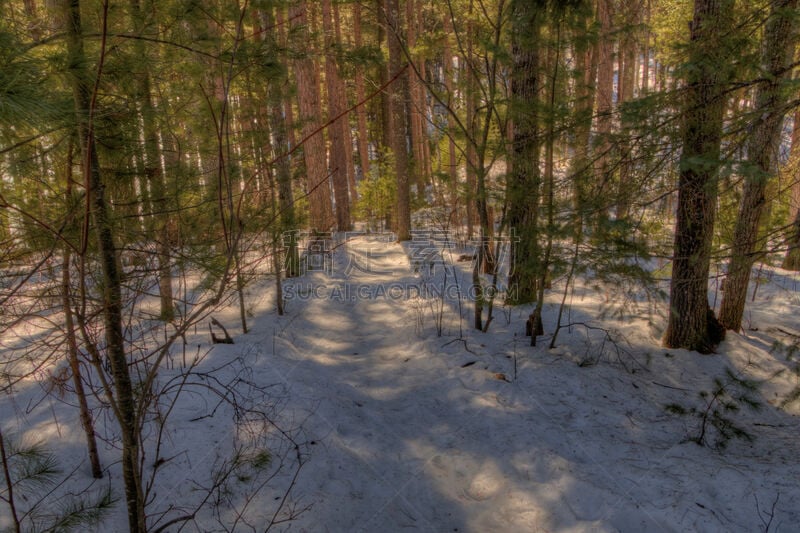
(407, 430)
(405, 438)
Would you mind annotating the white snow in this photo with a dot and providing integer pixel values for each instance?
(402, 429)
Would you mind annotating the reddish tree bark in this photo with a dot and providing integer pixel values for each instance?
(310, 108)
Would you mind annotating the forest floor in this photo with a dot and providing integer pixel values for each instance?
(406, 418)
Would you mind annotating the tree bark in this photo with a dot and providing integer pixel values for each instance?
(317, 182)
(452, 158)
(762, 153)
(471, 90)
(605, 94)
(581, 166)
(382, 31)
(112, 281)
(361, 112)
(524, 183)
(792, 259)
(340, 142)
(627, 73)
(72, 343)
(690, 323)
(398, 121)
(417, 103)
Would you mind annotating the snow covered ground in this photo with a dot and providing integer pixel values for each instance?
(400, 428)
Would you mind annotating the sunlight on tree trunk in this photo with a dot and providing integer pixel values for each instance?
(762, 153)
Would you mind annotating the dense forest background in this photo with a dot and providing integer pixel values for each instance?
(157, 157)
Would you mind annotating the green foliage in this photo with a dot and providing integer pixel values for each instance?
(791, 351)
(31, 467)
(377, 193)
(249, 463)
(616, 259)
(715, 414)
(35, 474)
(79, 515)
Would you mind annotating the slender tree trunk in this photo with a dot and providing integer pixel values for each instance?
(279, 125)
(310, 107)
(417, 102)
(398, 134)
(471, 102)
(159, 220)
(112, 282)
(9, 498)
(762, 155)
(581, 166)
(478, 138)
(645, 84)
(628, 65)
(347, 130)
(605, 94)
(339, 129)
(792, 259)
(471, 163)
(361, 112)
(288, 106)
(452, 158)
(387, 125)
(424, 109)
(691, 321)
(72, 342)
(549, 187)
(285, 194)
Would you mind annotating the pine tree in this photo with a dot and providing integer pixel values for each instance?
(310, 108)
(791, 260)
(125, 405)
(397, 126)
(523, 185)
(762, 155)
(691, 323)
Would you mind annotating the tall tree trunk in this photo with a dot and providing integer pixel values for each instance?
(398, 122)
(112, 282)
(383, 35)
(361, 111)
(645, 83)
(159, 219)
(346, 126)
(605, 95)
(417, 101)
(317, 182)
(452, 159)
(339, 129)
(285, 193)
(478, 131)
(281, 126)
(792, 259)
(581, 166)
(288, 106)
(762, 154)
(471, 90)
(628, 62)
(524, 183)
(554, 57)
(691, 320)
